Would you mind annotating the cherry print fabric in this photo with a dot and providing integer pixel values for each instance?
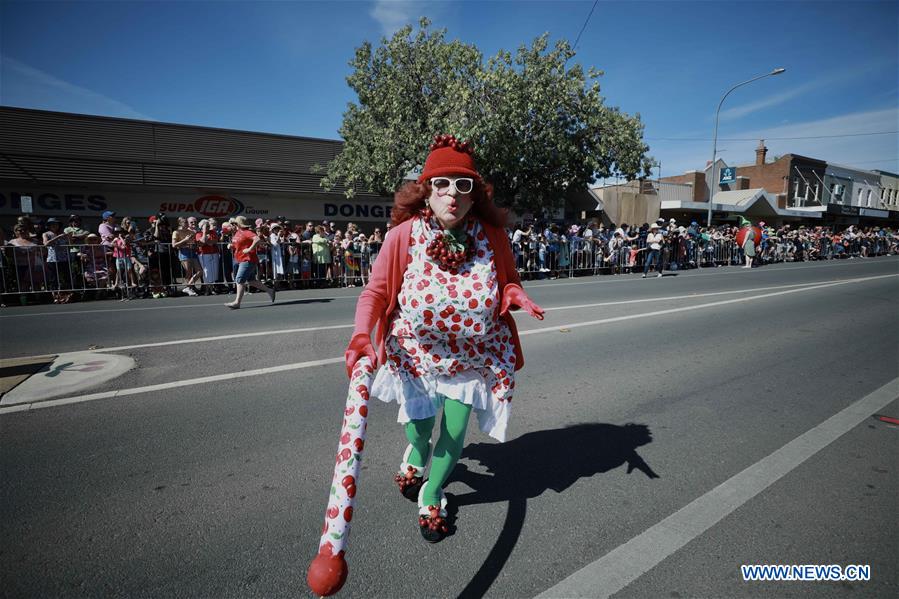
(446, 339)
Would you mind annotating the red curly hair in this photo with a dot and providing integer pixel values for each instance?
(409, 201)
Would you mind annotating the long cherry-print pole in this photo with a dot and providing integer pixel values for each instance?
(328, 571)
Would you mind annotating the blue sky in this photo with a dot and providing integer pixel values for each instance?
(281, 66)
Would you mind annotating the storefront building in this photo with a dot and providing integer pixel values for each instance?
(791, 188)
(78, 164)
(889, 190)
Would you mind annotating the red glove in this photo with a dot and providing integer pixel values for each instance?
(515, 297)
(360, 345)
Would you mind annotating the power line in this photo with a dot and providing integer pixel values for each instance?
(873, 161)
(768, 138)
(584, 25)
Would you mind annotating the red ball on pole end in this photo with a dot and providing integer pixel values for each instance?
(326, 574)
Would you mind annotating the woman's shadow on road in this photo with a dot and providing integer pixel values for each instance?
(527, 466)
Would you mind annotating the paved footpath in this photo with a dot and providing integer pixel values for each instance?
(665, 432)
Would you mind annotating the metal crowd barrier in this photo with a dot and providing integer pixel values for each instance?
(578, 257)
(157, 269)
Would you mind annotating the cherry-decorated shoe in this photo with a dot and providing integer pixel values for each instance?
(410, 477)
(432, 522)
(409, 483)
(433, 526)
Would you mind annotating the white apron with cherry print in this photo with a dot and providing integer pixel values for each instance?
(446, 339)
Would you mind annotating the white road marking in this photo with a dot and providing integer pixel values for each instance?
(531, 284)
(299, 365)
(223, 337)
(163, 386)
(349, 326)
(163, 306)
(691, 296)
(590, 323)
(712, 272)
(628, 562)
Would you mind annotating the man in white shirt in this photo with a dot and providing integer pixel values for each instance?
(654, 245)
(516, 245)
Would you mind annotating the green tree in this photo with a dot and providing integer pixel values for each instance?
(540, 128)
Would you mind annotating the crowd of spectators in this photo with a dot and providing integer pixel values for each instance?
(562, 250)
(164, 256)
(172, 256)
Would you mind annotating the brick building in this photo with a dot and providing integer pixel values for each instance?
(794, 187)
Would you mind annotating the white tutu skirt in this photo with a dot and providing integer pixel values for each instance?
(422, 397)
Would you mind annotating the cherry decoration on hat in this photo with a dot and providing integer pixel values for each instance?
(449, 156)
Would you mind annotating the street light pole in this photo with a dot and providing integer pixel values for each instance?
(714, 181)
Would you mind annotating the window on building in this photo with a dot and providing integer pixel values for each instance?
(868, 198)
(836, 193)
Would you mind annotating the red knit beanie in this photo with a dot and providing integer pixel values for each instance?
(449, 157)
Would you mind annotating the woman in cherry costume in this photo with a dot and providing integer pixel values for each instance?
(440, 294)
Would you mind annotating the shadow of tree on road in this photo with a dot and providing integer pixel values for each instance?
(527, 466)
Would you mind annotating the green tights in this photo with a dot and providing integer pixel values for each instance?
(447, 450)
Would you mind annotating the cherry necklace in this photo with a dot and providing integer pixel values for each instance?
(449, 249)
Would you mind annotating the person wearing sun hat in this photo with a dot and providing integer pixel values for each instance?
(439, 297)
(243, 244)
(747, 238)
(654, 243)
(56, 242)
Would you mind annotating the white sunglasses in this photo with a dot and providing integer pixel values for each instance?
(461, 185)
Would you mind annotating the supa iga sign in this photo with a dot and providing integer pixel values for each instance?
(211, 206)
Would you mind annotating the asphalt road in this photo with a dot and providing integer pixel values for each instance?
(638, 399)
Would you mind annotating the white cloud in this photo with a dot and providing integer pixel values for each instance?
(839, 78)
(886, 119)
(741, 111)
(392, 15)
(868, 151)
(28, 87)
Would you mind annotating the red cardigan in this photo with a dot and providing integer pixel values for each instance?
(379, 299)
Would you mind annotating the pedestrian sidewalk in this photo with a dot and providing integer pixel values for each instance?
(27, 380)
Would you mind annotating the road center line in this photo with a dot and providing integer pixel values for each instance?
(163, 386)
(349, 326)
(713, 272)
(221, 338)
(533, 284)
(219, 304)
(692, 295)
(312, 363)
(698, 306)
(628, 562)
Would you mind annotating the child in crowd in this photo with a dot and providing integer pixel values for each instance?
(121, 252)
(140, 263)
(93, 257)
(306, 268)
